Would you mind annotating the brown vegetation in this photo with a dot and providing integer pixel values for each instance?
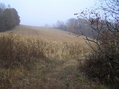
(30, 61)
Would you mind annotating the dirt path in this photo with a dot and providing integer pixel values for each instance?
(55, 75)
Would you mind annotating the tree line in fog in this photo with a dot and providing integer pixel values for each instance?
(77, 26)
(9, 17)
(81, 26)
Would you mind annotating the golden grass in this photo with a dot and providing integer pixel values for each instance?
(17, 56)
(55, 43)
(39, 50)
(47, 33)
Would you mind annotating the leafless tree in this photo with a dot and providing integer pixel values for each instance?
(105, 25)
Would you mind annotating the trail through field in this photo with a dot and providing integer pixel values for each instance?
(54, 73)
(47, 33)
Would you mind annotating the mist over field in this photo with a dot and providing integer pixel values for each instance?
(64, 44)
(47, 12)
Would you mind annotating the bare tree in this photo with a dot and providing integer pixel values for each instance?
(106, 56)
(2, 7)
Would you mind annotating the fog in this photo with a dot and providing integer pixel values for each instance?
(47, 12)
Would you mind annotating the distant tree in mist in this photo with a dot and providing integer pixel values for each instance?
(60, 25)
(16, 16)
(2, 7)
(9, 18)
(46, 25)
(72, 24)
(76, 26)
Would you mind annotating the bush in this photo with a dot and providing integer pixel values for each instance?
(103, 64)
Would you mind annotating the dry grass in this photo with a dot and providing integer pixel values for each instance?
(55, 43)
(17, 55)
(42, 58)
(47, 33)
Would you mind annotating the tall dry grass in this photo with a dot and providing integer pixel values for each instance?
(63, 50)
(16, 50)
(19, 53)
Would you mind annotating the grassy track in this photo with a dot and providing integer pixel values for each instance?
(47, 33)
(63, 51)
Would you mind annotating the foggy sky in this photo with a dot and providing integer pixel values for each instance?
(41, 12)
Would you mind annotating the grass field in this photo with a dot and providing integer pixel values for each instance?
(47, 33)
(57, 42)
(43, 58)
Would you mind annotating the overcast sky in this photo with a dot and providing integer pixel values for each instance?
(41, 12)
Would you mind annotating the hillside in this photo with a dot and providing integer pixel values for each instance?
(47, 33)
(43, 58)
